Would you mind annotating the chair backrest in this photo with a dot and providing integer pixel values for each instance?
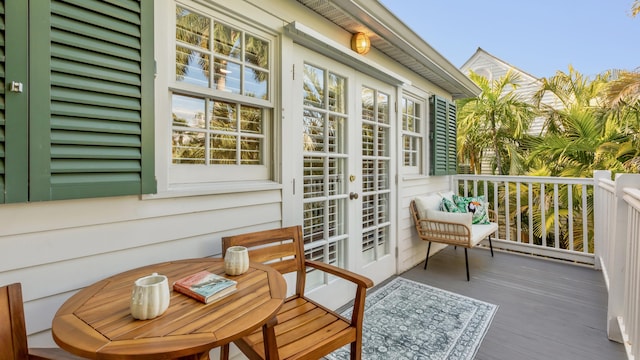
(282, 249)
(13, 332)
(414, 210)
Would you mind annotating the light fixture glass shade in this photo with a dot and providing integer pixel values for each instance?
(360, 43)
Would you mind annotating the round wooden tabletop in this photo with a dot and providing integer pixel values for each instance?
(96, 322)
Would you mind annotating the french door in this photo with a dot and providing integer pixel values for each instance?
(348, 166)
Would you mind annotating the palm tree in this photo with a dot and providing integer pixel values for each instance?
(496, 120)
(579, 139)
(623, 100)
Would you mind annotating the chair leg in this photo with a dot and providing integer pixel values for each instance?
(224, 352)
(427, 259)
(466, 262)
(490, 246)
(356, 350)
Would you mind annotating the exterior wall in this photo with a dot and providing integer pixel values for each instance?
(56, 248)
(412, 250)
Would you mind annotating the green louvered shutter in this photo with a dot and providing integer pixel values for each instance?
(443, 136)
(14, 119)
(2, 102)
(452, 133)
(91, 123)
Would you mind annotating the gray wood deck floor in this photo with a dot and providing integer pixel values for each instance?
(547, 309)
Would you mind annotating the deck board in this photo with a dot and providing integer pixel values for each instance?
(547, 309)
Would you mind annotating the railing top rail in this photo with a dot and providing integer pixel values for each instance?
(526, 179)
(607, 184)
(632, 197)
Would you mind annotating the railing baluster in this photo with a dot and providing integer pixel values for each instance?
(632, 289)
(518, 212)
(570, 214)
(585, 220)
(485, 185)
(507, 212)
(556, 217)
(543, 216)
(496, 205)
(530, 206)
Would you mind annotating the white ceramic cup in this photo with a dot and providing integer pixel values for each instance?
(149, 297)
(236, 260)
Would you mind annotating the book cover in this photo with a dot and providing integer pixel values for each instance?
(205, 286)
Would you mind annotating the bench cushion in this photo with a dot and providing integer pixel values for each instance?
(480, 232)
(456, 218)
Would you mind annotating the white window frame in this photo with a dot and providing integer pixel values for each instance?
(189, 179)
(421, 135)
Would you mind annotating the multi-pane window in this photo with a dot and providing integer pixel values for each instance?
(215, 132)
(221, 102)
(412, 133)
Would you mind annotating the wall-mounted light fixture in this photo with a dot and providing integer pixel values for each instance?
(360, 43)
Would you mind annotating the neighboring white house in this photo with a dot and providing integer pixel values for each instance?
(492, 68)
(156, 128)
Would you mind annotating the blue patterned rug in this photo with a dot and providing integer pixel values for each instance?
(408, 320)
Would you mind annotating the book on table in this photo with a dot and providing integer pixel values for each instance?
(205, 286)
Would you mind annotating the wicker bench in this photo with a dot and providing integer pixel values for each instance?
(443, 227)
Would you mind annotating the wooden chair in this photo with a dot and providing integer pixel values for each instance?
(303, 329)
(13, 331)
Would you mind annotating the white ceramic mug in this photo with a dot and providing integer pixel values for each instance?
(150, 297)
(236, 260)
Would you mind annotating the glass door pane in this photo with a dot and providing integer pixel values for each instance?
(376, 161)
(325, 160)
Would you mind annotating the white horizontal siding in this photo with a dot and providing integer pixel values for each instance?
(57, 248)
(411, 249)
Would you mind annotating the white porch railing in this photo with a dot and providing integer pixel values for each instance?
(618, 252)
(590, 221)
(547, 216)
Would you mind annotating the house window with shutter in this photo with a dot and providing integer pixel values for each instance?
(442, 134)
(221, 99)
(79, 121)
(413, 128)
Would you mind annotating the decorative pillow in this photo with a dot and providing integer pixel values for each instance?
(449, 206)
(475, 205)
(427, 202)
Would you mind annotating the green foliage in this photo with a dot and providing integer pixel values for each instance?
(595, 127)
(495, 121)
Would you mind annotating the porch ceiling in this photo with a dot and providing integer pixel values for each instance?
(392, 37)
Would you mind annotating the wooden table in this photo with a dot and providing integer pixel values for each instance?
(96, 322)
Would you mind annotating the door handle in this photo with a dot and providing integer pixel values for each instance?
(353, 195)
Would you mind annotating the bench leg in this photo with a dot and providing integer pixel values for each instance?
(490, 246)
(427, 259)
(466, 262)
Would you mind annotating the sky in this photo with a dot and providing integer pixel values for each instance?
(539, 37)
